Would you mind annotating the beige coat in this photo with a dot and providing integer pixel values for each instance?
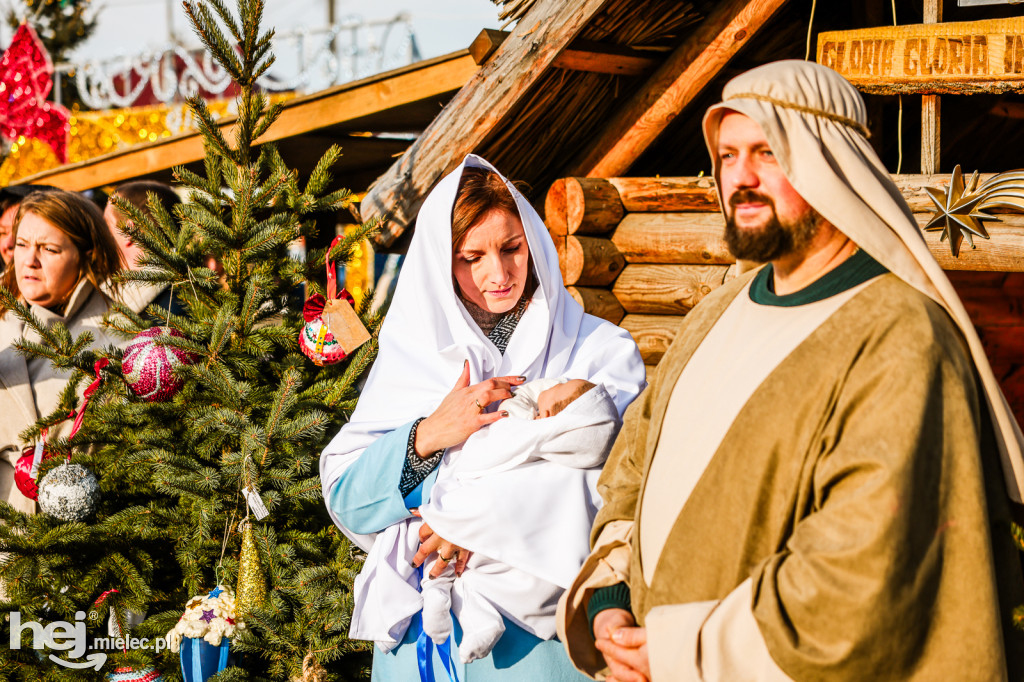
(30, 389)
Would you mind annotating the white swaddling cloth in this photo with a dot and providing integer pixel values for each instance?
(524, 555)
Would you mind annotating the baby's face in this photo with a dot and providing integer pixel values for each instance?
(558, 397)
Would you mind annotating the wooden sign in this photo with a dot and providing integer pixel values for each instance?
(965, 57)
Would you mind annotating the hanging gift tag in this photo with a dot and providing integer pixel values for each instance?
(37, 457)
(345, 325)
(256, 506)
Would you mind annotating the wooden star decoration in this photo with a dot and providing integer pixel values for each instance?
(957, 213)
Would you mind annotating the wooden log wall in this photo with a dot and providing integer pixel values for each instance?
(641, 252)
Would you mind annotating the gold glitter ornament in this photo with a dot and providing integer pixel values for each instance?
(252, 587)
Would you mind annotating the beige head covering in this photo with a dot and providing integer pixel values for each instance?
(815, 122)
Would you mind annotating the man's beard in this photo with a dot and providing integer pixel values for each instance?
(772, 240)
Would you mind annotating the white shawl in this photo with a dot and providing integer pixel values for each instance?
(428, 334)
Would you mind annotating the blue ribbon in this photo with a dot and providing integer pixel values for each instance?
(425, 650)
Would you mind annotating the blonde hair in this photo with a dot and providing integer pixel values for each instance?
(82, 221)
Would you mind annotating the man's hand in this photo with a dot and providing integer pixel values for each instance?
(623, 646)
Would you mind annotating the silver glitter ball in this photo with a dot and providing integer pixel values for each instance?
(69, 493)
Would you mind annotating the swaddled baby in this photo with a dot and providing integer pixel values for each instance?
(525, 554)
(479, 615)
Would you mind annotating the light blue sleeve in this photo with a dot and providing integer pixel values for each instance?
(366, 497)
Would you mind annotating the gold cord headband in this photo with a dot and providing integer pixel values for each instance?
(849, 122)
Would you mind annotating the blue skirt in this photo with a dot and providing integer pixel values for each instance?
(517, 656)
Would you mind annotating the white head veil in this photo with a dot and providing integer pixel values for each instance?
(428, 334)
(815, 122)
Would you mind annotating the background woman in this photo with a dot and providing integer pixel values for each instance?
(63, 252)
(480, 306)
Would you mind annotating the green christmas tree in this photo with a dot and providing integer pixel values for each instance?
(252, 412)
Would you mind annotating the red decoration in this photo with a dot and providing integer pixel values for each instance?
(23, 475)
(149, 367)
(26, 77)
(323, 343)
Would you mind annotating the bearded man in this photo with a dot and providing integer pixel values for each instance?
(815, 485)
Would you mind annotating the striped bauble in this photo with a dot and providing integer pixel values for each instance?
(149, 366)
(129, 674)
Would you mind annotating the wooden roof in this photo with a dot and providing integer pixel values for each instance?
(352, 115)
(604, 88)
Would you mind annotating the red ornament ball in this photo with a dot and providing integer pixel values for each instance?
(23, 477)
(149, 367)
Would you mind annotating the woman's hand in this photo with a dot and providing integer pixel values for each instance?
(461, 413)
(431, 542)
(623, 646)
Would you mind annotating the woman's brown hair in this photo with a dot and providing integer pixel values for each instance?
(480, 192)
(82, 221)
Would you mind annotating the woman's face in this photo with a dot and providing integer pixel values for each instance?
(491, 264)
(46, 262)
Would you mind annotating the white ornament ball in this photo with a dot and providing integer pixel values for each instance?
(69, 493)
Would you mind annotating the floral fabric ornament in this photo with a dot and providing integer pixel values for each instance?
(148, 366)
(333, 330)
(202, 637)
(26, 78)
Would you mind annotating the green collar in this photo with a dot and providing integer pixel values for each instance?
(857, 269)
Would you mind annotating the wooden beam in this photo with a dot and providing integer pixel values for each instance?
(931, 106)
(691, 238)
(653, 334)
(299, 116)
(476, 111)
(666, 289)
(581, 55)
(598, 302)
(487, 43)
(673, 86)
(585, 55)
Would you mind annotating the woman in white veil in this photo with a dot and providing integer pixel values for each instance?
(480, 306)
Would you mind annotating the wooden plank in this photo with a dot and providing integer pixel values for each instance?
(476, 111)
(589, 261)
(667, 194)
(942, 58)
(597, 58)
(652, 333)
(598, 302)
(931, 131)
(693, 238)
(1004, 252)
(666, 289)
(581, 55)
(673, 86)
(299, 116)
(931, 107)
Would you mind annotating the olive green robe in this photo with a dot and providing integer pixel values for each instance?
(859, 488)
